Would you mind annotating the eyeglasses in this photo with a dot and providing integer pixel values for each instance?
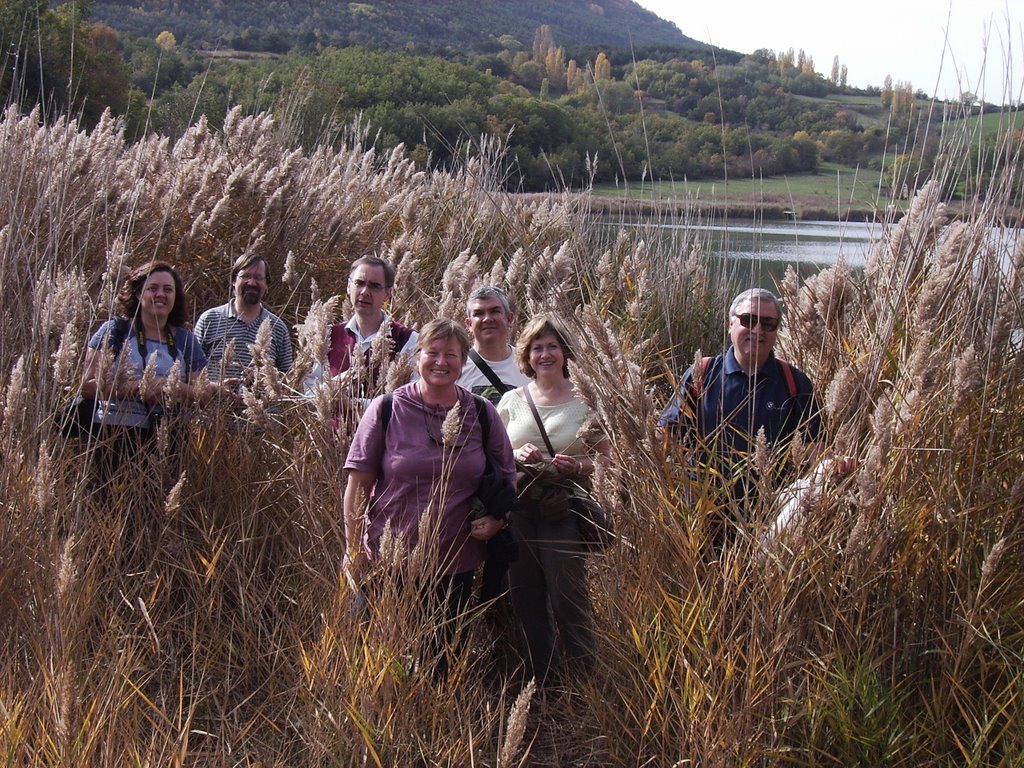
(360, 284)
(748, 320)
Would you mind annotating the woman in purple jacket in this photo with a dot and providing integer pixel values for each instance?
(416, 463)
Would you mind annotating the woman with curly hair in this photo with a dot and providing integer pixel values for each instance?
(147, 331)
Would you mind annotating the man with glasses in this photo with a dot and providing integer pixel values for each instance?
(370, 284)
(723, 407)
(226, 332)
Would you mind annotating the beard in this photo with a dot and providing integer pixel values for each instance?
(251, 297)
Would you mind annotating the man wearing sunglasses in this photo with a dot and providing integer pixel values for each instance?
(722, 408)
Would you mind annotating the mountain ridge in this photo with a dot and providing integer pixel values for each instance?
(281, 25)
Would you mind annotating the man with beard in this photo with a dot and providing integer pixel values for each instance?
(748, 389)
(238, 322)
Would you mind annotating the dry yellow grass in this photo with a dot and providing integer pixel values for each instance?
(189, 610)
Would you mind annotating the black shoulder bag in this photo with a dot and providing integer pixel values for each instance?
(596, 527)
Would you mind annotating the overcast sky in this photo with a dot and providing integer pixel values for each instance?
(906, 39)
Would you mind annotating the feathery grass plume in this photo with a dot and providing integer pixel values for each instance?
(451, 428)
(456, 284)
(268, 378)
(399, 371)
(15, 397)
(515, 727)
(762, 458)
(150, 385)
(393, 548)
(948, 276)
(843, 401)
(65, 302)
(173, 501)
(989, 568)
(289, 276)
(43, 480)
(65, 358)
(313, 339)
(172, 384)
(517, 274)
(872, 470)
(817, 313)
(383, 345)
(255, 409)
(163, 437)
(990, 564)
(608, 280)
(114, 272)
(67, 572)
(967, 381)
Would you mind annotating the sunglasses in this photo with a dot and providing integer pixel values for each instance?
(748, 320)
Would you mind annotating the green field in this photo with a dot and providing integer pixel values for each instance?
(833, 185)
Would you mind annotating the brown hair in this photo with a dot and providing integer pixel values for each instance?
(247, 260)
(534, 329)
(376, 261)
(128, 296)
(443, 328)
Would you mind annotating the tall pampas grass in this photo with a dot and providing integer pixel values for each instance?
(187, 606)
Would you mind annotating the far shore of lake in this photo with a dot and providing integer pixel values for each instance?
(771, 207)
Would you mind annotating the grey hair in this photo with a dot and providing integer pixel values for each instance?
(489, 292)
(755, 294)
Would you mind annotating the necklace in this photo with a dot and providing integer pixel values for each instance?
(434, 417)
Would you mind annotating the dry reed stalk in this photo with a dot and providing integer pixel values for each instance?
(220, 629)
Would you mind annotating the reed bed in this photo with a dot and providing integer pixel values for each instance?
(188, 608)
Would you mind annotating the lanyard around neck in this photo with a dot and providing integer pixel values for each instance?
(140, 339)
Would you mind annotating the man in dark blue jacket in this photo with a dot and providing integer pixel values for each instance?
(722, 407)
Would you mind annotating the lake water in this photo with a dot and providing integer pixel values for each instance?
(793, 242)
(756, 254)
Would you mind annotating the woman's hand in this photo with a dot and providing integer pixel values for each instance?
(485, 527)
(353, 568)
(569, 465)
(528, 453)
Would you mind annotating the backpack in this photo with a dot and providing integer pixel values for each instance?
(76, 417)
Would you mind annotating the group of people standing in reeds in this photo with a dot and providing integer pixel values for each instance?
(476, 411)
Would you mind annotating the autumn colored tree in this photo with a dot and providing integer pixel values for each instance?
(886, 95)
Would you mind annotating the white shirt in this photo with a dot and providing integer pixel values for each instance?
(506, 370)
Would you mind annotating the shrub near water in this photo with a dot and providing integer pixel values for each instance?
(189, 609)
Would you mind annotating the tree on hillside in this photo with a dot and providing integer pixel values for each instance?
(886, 95)
(58, 59)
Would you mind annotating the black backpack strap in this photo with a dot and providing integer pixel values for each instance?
(118, 333)
(484, 418)
(485, 369)
(386, 406)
